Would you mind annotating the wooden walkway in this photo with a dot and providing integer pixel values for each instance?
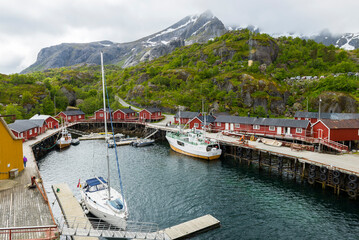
(192, 227)
(21, 206)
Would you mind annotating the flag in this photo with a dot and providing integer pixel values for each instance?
(79, 184)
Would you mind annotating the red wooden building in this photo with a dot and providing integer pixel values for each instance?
(25, 129)
(337, 130)
(71, 115)
(184, 117)
(199, 123)
(150, 114)
(51, 122)
(264, 126)
(125, 114)
(100, 114)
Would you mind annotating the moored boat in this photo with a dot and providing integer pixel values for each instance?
(65, 139)
(194, 144)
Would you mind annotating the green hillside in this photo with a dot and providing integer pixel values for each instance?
(216, 73)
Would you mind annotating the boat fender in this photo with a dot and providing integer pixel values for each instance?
(352, 178)
(311, 174)
(352, 193)
(336, 181)
(311, 180)
(352, 185)
(312, 167)
(323, 177)
(323, 170)
(336, 173)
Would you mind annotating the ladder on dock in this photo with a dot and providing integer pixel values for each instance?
(95, 227)
(152, 134)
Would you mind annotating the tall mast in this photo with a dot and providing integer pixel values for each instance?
(105, 121)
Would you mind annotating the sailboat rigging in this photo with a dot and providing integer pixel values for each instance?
(98, 197)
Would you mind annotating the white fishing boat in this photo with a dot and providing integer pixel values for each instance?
(98, 197)
(194, 144)
(65, 139)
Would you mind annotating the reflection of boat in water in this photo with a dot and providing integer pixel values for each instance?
(65, 139)
(142, 142)
(271, 142)
(194, 144)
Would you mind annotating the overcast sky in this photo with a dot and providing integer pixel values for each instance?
(27, 26)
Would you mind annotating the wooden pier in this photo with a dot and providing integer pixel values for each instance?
(26, 211)
(192, 227)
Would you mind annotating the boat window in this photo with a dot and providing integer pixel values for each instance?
(116, 204)
(180, 143)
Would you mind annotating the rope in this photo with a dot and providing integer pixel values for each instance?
(113, 136)
(52, 145)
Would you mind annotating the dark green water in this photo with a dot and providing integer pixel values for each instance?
(168, 188)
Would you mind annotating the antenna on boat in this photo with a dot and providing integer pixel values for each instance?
(105, 122)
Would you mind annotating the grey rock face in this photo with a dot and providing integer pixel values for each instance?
(190, 29)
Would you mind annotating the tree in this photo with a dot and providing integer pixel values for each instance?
(13, 109)
(48, 106)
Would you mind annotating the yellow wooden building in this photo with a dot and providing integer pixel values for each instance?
(11, 155)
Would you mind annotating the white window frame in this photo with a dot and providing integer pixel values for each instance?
(30, 131)
(271, 128)
(257, 127)
(218, 124)
(21, 135)
(69, 117)
(237, 125)
(101, 114)
(80, 116)
(298, 130)
(35, 130)
(196, 125)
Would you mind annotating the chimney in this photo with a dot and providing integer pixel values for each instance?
(249, 115)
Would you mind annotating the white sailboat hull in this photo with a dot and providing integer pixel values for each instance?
(96, 204)
(195, 150)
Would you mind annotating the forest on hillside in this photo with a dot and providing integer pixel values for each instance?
(239, 72)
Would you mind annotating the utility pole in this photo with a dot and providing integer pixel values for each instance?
(320, 101)
(307, 104)
(55, 104)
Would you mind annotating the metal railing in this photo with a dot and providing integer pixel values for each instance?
(31, 232)
(95, 227)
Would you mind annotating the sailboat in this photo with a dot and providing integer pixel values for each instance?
(194, 143)
(98, 197)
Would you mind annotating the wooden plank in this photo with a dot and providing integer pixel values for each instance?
(192, 227)
(70, 207)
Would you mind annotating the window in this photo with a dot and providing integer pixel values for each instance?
(256, 127)
(21, 135)
(306, 118)
(237, 125)
(30, 132)
(196, 125)
(298, 130)
(218, 124)
(101, 114)
(80, 116)
(180, 143)
(69, 117)
(271, 128)
(35, 130)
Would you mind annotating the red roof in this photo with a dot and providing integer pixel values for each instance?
(341, 124)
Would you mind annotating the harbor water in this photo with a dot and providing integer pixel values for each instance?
(167, 188)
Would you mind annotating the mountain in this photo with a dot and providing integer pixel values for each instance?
(191, 29)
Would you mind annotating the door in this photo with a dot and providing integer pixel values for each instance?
(227, 126)
(288, 130)
(320, 133)
(279, 130)
(232, 126)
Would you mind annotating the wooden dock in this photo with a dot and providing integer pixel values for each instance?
(70, 207)
(192, 227)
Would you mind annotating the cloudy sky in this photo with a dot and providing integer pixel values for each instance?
(27, 26)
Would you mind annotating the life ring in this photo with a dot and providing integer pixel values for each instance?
(311, 174)
(336, 181)
(352, 178)
(311, 180)
(336, 173)
(352, 185)
(323, 170)
(352, 193)
(323, 177)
